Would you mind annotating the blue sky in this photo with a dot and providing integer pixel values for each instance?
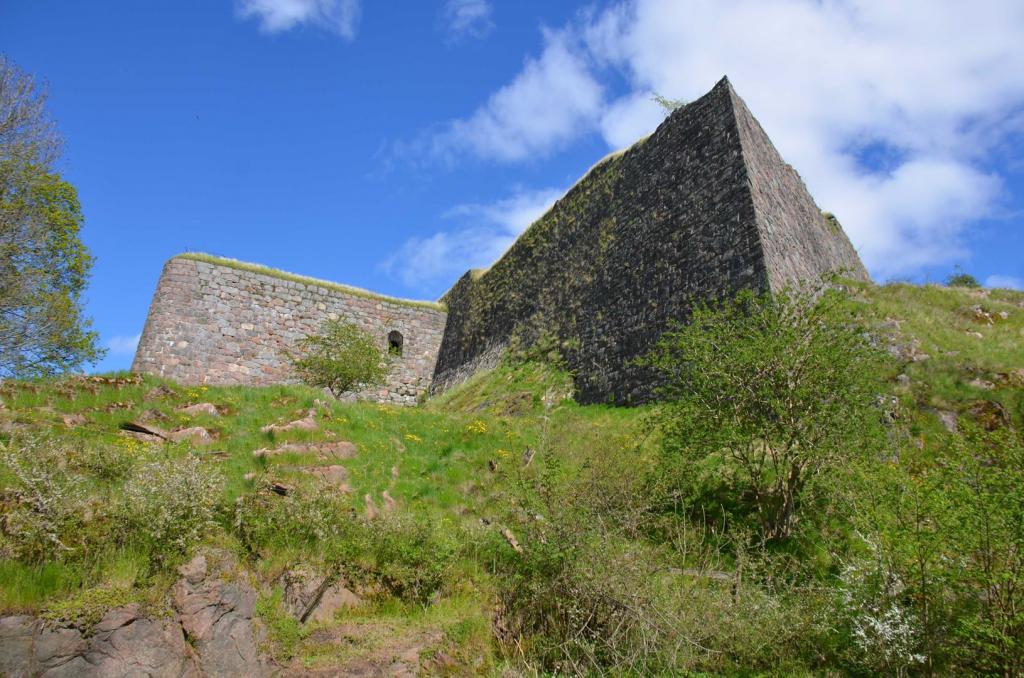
(392, 145)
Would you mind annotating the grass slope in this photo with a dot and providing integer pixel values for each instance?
(452, 465)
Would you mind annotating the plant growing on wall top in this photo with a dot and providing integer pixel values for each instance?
(342, 357)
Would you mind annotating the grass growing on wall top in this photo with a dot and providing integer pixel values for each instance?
(305, 280)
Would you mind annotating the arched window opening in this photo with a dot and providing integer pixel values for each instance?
(395, 341)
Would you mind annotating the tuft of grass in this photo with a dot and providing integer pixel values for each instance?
(284, 632)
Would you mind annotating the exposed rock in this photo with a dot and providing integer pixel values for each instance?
(307, 423)
(371, 508)
(976, 335)
(217, 618)
(1013, 378)
(389, 502)
(73, 420)
(152, 414)
(1003, 315)
(315, 598)
(334, 475)
(909, 351)
(123, 644)
(903, 380)
(983, 384)
(336, 597)
(302, 590)
(340, 449)
(197, 435)
(200, 408)
(159, 393)
(128, 645)
(989, 414)
(511, 539)
(980, 315)
(17, 645)
(948, 419)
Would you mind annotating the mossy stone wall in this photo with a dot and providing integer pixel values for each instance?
(702, 208)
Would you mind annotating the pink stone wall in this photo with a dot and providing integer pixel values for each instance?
(214, 324)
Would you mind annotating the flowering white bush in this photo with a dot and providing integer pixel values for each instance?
(45, 505)
(172, 502)
(887, 634)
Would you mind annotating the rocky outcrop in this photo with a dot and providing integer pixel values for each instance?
(213, 634)
(123, 644)
(217, 618)
(315, 598)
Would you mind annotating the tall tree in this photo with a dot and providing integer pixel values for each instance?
(44, 267)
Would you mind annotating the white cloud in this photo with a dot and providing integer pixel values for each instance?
(123, 345)
(467, 18)
(930, 86)
(1004, 281)
(337, 16)
(551, 101)
(433, 263)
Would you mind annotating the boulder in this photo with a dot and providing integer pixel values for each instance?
(200, 408)
(74, 420)
(197, 435)
(314, 598)
(339, 449)
(949, 420)
(307, 423)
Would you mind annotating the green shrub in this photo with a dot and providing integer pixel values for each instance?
(960, 278)
(949, 529)
(585, 596)
(406, 555)
(410, 556)
(765, 397)
(341, 358)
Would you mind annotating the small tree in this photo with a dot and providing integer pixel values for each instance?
(763, 396)
(44, 267)
(668, 105)
(341, 357)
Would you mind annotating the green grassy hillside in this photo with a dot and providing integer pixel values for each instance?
(499, 506)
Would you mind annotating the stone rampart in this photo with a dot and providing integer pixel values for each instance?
(701, 209)
(221, 322)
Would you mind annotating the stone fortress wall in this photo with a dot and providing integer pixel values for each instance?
(220, 322)
(701, 209)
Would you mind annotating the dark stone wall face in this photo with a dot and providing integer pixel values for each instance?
(681, 216)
